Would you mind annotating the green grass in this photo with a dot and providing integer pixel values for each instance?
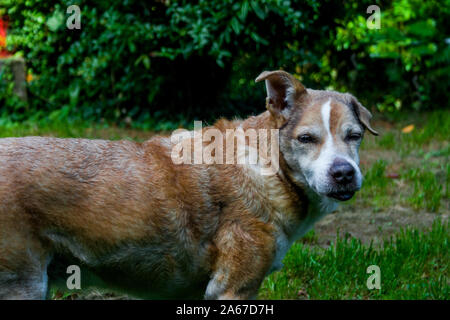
(61, 129)
(428, 128)
(58, 123)
(433, 126)
(409, 169)
(423, 187)
(387, 141)
(413, 265)
(427, 190)
(373, 192)
(68, 129)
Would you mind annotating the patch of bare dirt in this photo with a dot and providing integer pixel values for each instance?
(367, 225)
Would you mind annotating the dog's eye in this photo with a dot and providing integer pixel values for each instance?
(306, 138)
(353, 136)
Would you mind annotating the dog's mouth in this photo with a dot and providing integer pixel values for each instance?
(341, 195)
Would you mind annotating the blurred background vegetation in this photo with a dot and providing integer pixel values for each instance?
(159, 64)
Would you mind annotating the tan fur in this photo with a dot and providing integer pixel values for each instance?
(153, 226)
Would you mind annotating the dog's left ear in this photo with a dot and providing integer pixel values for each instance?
(282, 92)
(363, 114)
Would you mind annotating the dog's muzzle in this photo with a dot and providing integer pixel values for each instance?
(342, 174)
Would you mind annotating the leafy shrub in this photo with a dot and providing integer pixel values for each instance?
(145, 62)
(13, 107)
(411, 49)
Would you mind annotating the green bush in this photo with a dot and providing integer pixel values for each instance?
(155, 61)
(12, 107)
(407, 60)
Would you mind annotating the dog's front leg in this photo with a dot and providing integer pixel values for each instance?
(245, 254)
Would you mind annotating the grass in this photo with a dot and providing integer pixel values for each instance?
(410, 169)
(59, 125)
(427, 190)
(413, 265)
(422, 188)
(375, 185)
(65, 129)
(387, 141)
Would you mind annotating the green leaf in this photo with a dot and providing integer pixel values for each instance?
(424, 49)
(258, 11)
(144, 59)
(258, 39)
(132, 47)
(55, 21)
(244, 10)
(423, 28)
(235, 25)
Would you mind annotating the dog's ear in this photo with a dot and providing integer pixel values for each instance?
(282, 91)
(363, 114)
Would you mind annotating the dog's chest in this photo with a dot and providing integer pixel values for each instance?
(317, 209)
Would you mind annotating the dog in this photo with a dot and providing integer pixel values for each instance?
(126, 213)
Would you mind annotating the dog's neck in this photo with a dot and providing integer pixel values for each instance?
(303, 194)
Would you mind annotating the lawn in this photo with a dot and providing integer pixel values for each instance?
(413, 265)
(398, 221)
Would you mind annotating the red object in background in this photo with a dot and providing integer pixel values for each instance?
(3, 28)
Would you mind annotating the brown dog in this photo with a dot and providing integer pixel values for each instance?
(144, 224)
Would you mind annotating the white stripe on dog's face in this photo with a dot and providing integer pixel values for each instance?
(327, 151)
(320, 144)
(317, 169)
(325, 112)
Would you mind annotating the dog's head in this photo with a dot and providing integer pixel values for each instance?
(320, 134)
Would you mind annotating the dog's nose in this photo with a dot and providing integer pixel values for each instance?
(342, 171)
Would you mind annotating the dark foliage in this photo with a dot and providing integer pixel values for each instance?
(154, 61)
